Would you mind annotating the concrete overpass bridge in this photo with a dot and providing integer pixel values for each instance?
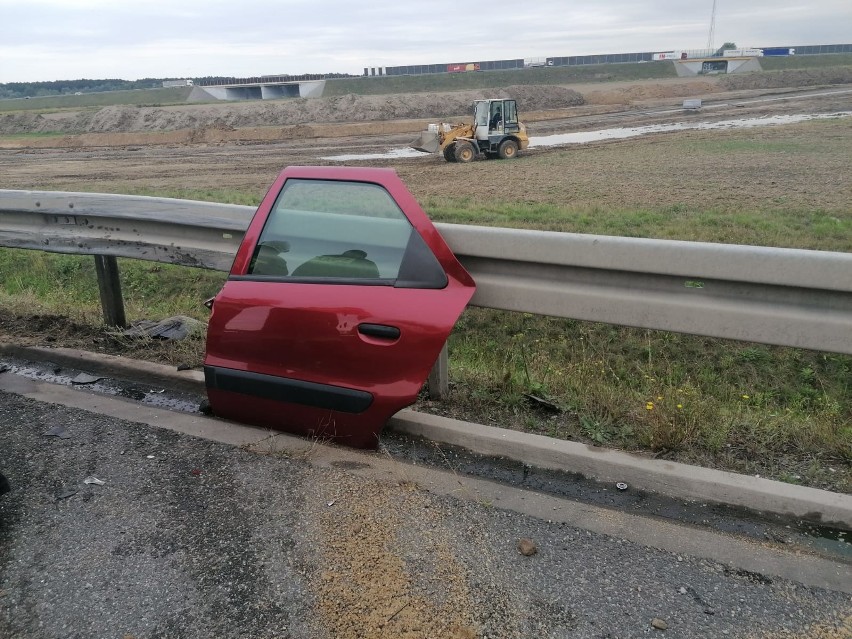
(262, 88)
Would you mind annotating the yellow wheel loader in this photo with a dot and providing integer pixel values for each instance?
(495, 133)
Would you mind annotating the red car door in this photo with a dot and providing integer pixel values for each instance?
(338, 303)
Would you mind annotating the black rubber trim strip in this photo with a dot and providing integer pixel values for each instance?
(284, 389)
(289, 279)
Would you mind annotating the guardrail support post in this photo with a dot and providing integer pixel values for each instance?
(110, 287)
(438, 384)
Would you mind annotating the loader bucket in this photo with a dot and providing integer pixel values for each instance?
(427, 142)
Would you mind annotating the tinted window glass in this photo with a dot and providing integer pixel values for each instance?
(330, 230)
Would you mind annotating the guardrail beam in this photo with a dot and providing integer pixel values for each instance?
(787, 297)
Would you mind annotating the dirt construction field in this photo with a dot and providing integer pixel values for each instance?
(242, 146)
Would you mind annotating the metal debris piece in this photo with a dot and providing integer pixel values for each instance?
(58, 431)
(177, 328)
(85, 378)
(91, 479)
(621, 485)
(541, 402)
(331, 503)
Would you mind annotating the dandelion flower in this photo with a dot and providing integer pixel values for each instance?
(649, 405)
(680, 406)
(745, 396)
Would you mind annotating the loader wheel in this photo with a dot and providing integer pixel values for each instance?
(464, 152)
(508, 149)
(450, 152)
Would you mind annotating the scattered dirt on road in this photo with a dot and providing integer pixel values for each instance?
(389, 568)
(840, 629)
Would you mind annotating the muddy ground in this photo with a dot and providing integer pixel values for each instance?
(222, 157)
(543, 106)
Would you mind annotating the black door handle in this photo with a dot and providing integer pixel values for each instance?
(379, 330)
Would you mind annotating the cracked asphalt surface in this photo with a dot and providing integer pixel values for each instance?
(191, 538)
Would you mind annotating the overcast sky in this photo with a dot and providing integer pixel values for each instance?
(131, 39)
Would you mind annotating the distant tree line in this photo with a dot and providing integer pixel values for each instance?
(70, 87)
(66, 87)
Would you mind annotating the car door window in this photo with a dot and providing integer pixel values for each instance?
(334, 231)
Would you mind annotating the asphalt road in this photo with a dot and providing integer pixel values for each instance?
(192, 538)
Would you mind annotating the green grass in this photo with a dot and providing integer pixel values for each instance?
(640, 389)
(791, 227)
(67, 285)
(772, 63)
(221, 196)
(141, 97)
(619, 386)
(745, 407)
(35, 135)
(379, 85)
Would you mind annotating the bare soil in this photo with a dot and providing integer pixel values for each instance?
(627, 173)
(244, 145)
(376, 115)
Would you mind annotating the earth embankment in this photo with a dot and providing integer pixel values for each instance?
(352, 108)
(356, 116)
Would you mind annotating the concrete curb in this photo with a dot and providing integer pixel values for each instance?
(665, 477)
(607, 465)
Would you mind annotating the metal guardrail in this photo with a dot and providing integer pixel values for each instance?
(185, 232)
(787, 297)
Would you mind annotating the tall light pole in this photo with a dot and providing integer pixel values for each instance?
(712, 26)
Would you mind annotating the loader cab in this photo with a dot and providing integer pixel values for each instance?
(495, 118)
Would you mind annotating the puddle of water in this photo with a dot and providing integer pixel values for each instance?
(145, 394)
(583, 137)
(392, 154)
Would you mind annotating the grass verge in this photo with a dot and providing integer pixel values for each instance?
(778, 412)
(140, 97)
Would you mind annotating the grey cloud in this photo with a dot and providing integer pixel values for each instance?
(194, 38)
